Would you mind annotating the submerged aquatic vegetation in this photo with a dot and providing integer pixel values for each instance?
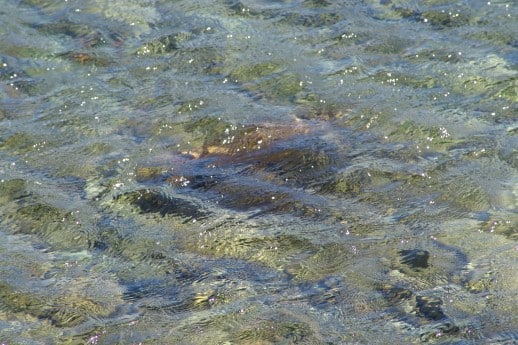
(309, 172)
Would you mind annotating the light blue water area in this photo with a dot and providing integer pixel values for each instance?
(258, 172)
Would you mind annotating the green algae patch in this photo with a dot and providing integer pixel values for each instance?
(445, 19)
(151, 201)
(71, 310)
(311, 20)
(90, 36)
(332, 259)
(349, 184)
(400, 79)
(192, 105)
(19, 142)
(311, 107)
(283, 87)
(205, 60)
(42, 219)
(253, 325)
(86, 58)
(23, 143)
(96, 148)
(246, 73)
(404, 12)
(281, 326)
(200, 60)
(237, 8)
(55, 226)
(146, 101)
(473, 84)
(389, 45)
(12, 190)
(147, 174)
(272, 251)
(464, 194)
(316, 3)
(274, 332)
(41, 212)
(67, 309)
(206, 131)
(164, 44)
(481, 284)
(21, 302)
(29, 52)
(429, 137)
(440, 19)
(367, 183)
(62, 311)
(507, 89)
(207, 126)
(505, 227)
(412, 130)
(497, 37)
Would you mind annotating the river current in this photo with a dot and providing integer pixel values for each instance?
(258, 172)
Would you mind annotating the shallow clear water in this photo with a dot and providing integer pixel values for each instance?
(258, 172)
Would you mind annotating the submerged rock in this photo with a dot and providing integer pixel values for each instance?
(252, 167)
(394, 294)
(238, 141)
(429, 307)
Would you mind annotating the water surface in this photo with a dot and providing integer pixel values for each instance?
(258, 172)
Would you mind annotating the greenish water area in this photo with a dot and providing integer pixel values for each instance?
(258, 172)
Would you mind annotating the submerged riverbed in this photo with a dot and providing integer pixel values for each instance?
(258, 172)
